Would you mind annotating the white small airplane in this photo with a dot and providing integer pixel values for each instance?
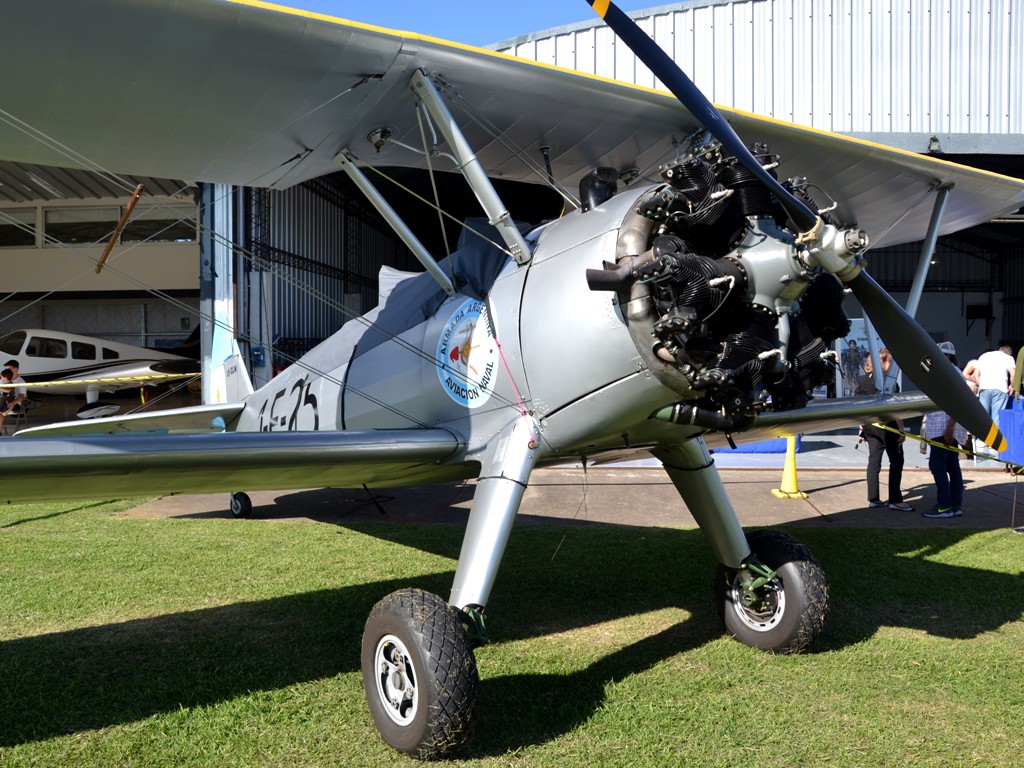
(57, 362)
(689, 297)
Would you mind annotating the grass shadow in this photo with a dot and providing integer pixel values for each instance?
(553, 579)
(52, 515)
(96, 677)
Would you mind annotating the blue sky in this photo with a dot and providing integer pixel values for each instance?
(476, 23)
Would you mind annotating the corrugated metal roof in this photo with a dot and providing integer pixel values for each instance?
(24, 182)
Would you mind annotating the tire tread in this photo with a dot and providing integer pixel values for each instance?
(451, 713)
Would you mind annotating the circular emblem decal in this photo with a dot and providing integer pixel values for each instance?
(467, 355)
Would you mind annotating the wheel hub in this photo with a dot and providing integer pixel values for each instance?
(396, 680)
(765, 610)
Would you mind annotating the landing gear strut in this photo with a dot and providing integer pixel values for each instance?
(770, 591)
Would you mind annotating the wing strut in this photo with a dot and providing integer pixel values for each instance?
(348, 165)
(928, 248)
(924, 260)
(471, 168)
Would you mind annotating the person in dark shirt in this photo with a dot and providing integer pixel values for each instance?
(883, 441)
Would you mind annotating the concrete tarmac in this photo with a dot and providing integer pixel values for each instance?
(830, 470)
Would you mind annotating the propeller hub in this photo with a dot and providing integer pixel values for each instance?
(838, 251)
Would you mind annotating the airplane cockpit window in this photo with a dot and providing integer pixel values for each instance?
(42, 346)
(109, 354)
(82, 351)
(12, 343)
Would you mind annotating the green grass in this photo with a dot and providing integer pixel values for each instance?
(208, 642)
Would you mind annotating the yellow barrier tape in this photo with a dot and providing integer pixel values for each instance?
(1017, 469)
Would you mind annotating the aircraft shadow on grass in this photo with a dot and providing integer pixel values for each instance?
(96, 677)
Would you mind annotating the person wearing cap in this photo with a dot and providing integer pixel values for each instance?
(944, 462)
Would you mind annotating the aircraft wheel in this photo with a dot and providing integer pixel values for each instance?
(790, 612)
(419, 674)
(241, 505)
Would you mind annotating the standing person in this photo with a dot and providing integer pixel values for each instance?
(944, 463)
(994, 371)
(883, 440)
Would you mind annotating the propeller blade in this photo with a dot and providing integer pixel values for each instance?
(691, 97)
(911, 347)
(922, 360)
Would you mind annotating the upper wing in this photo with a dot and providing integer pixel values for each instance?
(53, 469)
(247, 93)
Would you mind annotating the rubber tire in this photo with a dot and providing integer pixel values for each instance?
(804, 587)
(447, 683)
(241, 506)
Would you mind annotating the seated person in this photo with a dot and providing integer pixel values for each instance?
(15, 396)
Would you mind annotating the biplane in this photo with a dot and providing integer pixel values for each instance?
(688, 294)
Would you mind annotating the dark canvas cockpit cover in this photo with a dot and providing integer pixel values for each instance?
(472, 268)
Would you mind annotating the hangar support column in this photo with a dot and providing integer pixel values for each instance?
(216, 302)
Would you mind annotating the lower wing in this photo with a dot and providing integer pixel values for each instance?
(826, 415)
(114, 467)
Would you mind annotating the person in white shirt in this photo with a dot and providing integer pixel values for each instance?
(994, 371)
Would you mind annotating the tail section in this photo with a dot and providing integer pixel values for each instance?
(230, 380)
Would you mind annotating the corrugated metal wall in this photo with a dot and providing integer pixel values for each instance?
(324, 249)
(1013, 305)
(154, 323)
(956, 266)
(865, 66)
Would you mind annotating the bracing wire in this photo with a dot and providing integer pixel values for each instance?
(433, 182)
(252, 259)
(80, 160)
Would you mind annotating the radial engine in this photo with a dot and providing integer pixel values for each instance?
(726, 305)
